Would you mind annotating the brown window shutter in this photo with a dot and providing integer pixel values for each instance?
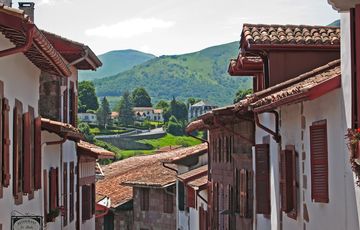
(262, 178)
(18, 150)
(250, 192)
(65, 193)
(27, 153)
(286, 180)
(93, 198)
(243, 193)
(6, 142)
(144, 199)
(57, 191)
(319, 163)
(1, 139)
(37, 153)
(32, 148)
(72, 190)
(237, 190)
(45, 176)
(191, 196)
(53, 188)
(66, 102)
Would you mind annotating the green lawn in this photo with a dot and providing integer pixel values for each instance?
(168, 140)
(98, 131)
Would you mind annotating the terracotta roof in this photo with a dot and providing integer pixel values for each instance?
(17, 27)
(290, 35)
(187, 152)
(245, 65)
(94, 150)
(138, 168)
(64, 130)
(199, 183)
(193, 174)
(196, 125)
(72, 51)
(316, 84)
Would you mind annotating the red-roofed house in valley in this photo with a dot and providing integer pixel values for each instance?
(292, 163)
(141, 190)
(46, 170)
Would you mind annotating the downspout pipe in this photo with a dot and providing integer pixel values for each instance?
(175, 170)
(23, 48)
(201, 197)
(275, 133)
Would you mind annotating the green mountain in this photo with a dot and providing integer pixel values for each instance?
(201, 74)
(115, 62)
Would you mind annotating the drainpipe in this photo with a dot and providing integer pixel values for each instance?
(201, 197)
(23, 48)
(175, 170)
(275, 133)
(208, 147)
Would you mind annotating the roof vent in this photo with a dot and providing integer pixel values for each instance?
(28, 8)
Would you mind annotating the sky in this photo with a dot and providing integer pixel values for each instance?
(168, 27)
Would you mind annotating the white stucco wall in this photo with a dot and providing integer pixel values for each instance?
(21, 81)
(194, 214)
(341, 183)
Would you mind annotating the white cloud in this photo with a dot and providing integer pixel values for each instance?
(52, 2)
(129, 28)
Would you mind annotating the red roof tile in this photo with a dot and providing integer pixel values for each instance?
(136, 169)
(316, 83)
(289, 35)
(199, 183)
(72, 51)
(64, 130)
(187, 152)
(94, 150)
(245, 66)
(193, 174)
(15, 25)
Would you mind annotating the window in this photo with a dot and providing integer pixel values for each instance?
(245, 193)
(168, 202)
(262, 179)
(319, 162)
(86, 203)
(144, 199)
(288, 185)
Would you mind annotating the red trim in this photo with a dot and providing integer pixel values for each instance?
(101, 208)
(289, 47)
(23, 48)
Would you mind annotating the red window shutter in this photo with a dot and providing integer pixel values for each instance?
(243, 193)
(250, 192)
(319, 163)
(1, 138)
(32, 148)
(286, 180)
(45, 176)
(262, 178)
(6, 142)
(191, 196)
(37, 153)
(57, 191)
(27, 153)
(66, 102)
(93, 198)
(65, 192)
(18, 150)
(72, 189)
(53, 188)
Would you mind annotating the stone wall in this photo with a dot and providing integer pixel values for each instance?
(154, 218)
(50, 96)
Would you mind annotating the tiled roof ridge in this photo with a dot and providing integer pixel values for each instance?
(258, 95)
(289, 25)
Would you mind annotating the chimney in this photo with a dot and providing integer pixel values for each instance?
(28, 8)
(6, 2)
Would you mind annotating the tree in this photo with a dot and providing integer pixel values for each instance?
(141, 98)
(126, 115)
(103, 113)
(162, 105)
(174, 127)
(177, 109)
(192, 101)
(85, 129)
(241, 94)
(87, 96)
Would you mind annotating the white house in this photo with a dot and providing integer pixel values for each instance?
(41, 158)
(149, 113)
(199, 109)
(87, 117)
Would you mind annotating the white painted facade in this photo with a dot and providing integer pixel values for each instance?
(342, 190)
(185, 218)
(148, 113)
(87, 117)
